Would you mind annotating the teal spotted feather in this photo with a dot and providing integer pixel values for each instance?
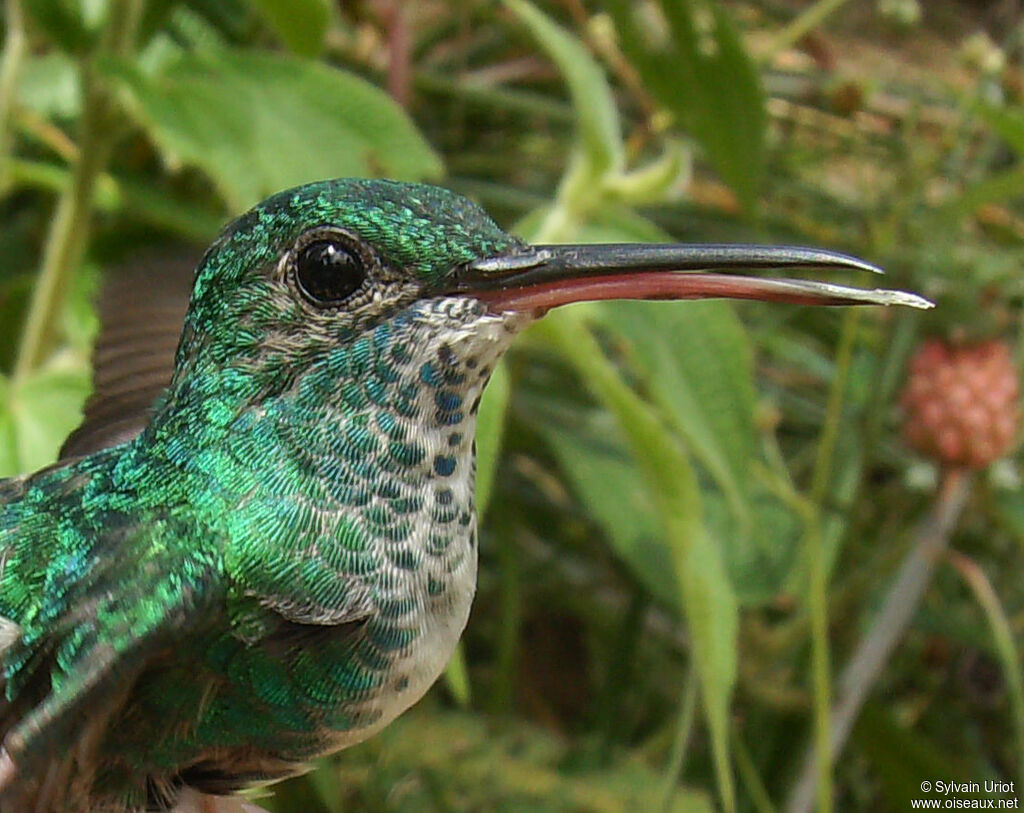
(280, 557)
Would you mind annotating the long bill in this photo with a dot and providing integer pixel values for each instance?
(545, 276)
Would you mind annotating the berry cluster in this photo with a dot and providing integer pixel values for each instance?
(961, 402)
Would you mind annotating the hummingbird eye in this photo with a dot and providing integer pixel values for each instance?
(328, 271)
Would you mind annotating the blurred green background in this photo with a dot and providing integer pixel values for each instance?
(694, 513)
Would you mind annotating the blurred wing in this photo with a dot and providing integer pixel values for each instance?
(142, 309)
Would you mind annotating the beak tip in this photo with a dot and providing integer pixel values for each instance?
(866, 266)
(912, 300)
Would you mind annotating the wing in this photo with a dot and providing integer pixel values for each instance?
(142, 309)
(78, 639)
(124, 649)
(90, 625)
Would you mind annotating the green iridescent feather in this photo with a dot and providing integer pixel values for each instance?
(233, 588)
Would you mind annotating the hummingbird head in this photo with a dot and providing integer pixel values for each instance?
(316, 267)
(312, 270)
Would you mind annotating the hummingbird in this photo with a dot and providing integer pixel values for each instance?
(278, 557)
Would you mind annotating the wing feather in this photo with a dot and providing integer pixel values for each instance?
(142, 309)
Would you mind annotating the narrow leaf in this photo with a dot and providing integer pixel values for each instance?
(1005, 646)
(596, 463)
(456, 677)
(597, 115)
(697, 364)
(490, 429)
(709, 604)
(696, 66)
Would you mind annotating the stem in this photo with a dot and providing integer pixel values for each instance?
(684, 730)
(399, 52)
(821, 671)
(510, 591)
(10, 64)
(509, 101)
(818, 573)
(747, 769)
(1002, 638)
(69, 228)
(621, 676)
(822, 476)
(901, 601)
(805, 22)
(46, 133)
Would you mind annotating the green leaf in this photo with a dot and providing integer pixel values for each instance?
(708, 600)
(761, 555)
(611, 224)
(696, 362)
(8, 438)
(712, 616)
(64, 22)
(901, 757)
(456, 677)
(596, 463)
(301, 24)
(696, 66)
(597, 115)
(257, 123)
(37, 415)
(597, 466)
(997, 187)
(490, 429)
(994, 186)
(48, 85)
(1003, 641)
(1008, 122)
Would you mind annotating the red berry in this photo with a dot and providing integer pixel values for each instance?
(961, 402)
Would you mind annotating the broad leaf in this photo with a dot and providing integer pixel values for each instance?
(48, 85)
(694, 361)
(611, 224)
(257, 123)
(65, 22)
(37, 415)
(597, 466)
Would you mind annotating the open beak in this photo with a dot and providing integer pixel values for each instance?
(545, 276)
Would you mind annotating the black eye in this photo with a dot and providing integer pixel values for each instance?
(328, 271)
